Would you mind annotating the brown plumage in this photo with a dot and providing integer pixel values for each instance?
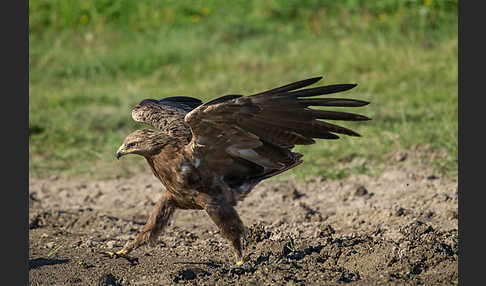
(210, 156)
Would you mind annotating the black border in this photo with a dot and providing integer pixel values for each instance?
(471, 143)
(15, 139)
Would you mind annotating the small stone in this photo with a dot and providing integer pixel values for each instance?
(33, 197)
(361, 191)
(107, 279)
(429, 214)
(77, 244)
(88, 243)
(400, 212)
(453, 215)
(50, 245)
(401, 156)
(110, 244)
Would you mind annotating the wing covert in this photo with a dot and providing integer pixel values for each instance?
(167, 114)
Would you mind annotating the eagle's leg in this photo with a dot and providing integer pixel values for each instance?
(157, 221)
(230, 225)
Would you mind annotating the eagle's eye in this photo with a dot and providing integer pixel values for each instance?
(129, 145)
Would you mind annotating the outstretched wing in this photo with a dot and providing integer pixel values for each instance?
(167, 114)
(249, 138)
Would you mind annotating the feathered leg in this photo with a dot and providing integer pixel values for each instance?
(157, 221)
(230, 225)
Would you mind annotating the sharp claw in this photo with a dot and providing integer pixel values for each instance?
(117, 254)
(121, 253)
(109, 254)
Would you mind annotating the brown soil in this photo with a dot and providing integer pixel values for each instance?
(398, 228)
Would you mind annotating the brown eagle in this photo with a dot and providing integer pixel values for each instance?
(210, 156)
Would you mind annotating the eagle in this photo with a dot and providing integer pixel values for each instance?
(209, 156)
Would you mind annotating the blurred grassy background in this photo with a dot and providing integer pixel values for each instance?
(91, 61)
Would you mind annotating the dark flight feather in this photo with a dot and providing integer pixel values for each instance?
(291, 86)
(189, 101)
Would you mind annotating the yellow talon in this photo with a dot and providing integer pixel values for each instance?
(239, 263)
(121, 252)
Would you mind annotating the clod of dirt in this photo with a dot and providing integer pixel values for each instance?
(190, 274)
(297, 195)
(110, 244)
(453, 214)
(108, 279)
(33, 197)
(326, 231)
(256, 233)
(400, 212)
(347, 159)
(416, 228)
(38, 220)
(237, 271)
(85, 265)
(74, 280)
(348, 276)
(262, 259)
(399, 156)
(311, 214)
(361, 191)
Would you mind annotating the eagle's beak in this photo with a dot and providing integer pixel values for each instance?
(120, 152)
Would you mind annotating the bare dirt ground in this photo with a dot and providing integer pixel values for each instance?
(398, 228)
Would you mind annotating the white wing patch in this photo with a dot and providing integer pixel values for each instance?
(251, 155)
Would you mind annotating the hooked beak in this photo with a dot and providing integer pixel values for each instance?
(119, 153)
(122, 151)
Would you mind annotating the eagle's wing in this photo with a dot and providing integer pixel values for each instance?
(167, 114)
(249, 138)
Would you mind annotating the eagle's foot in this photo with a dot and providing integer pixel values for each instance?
(121, 253)
(239, 257)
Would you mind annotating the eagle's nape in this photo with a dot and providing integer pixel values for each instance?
(214, 153)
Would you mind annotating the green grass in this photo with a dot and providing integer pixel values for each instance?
(91, 61)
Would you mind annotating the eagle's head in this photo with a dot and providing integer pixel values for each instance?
(143, 142)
